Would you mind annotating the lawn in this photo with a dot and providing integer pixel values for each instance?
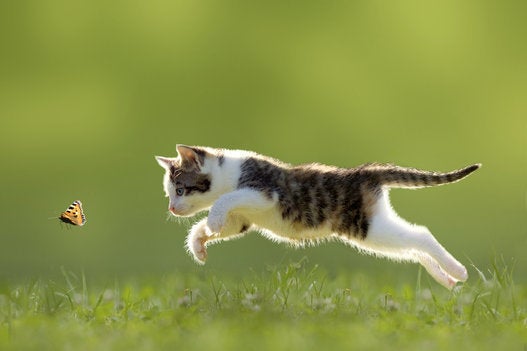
(293, 306)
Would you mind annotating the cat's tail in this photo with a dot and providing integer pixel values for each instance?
(400, 177)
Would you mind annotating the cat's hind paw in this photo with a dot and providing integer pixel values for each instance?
(437, 272)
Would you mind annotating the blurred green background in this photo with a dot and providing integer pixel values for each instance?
(91, 91)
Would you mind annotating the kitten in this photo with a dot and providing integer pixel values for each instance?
(304, 204)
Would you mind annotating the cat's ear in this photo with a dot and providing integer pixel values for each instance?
(192, 158)
(165, 162)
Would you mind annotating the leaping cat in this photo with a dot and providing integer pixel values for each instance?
(304, 204)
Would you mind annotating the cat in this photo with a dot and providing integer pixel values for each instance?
(304, 204)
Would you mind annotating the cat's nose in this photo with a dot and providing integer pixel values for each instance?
(172, 209)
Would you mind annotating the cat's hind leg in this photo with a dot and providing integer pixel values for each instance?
(435, 270)
(392, 236)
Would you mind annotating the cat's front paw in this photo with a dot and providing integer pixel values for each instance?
(197, 240)
(196, 246)
(215, 223)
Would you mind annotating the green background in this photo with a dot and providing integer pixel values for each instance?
(91, 91)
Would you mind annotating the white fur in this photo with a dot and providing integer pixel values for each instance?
(391, 236)
(230, 208)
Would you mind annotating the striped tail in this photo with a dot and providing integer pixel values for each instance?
(401, 177)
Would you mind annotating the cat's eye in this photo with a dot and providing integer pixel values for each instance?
(180, 191)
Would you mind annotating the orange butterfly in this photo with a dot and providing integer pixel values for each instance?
(74, 215)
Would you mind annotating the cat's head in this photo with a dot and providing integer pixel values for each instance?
(187, 182)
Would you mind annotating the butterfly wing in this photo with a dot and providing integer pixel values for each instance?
(74, 214)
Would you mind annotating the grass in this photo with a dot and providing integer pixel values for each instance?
(290, 307)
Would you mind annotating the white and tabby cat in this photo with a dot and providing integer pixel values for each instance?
(304, 204)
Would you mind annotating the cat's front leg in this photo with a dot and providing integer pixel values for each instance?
(216, 221)
(241, 201)
(197, 239)
(201, 236)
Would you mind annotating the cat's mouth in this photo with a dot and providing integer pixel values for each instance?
(180, 211)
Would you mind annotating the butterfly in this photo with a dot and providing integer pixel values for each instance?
(73, 214)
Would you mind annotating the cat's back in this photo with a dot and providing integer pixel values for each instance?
(272, 175)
